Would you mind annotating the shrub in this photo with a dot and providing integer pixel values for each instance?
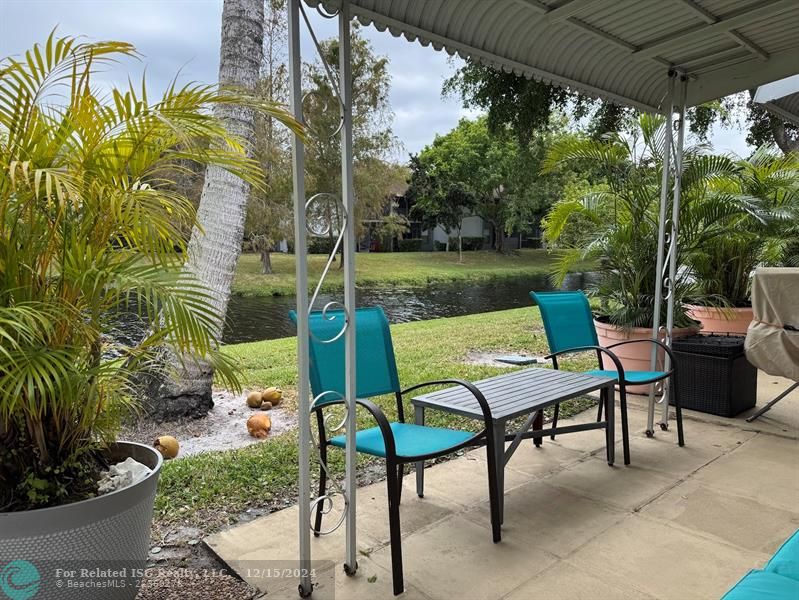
(409, 245)
(89, 222)
(469, 243)
(319, 245)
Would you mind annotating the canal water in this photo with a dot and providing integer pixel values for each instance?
(251, 319)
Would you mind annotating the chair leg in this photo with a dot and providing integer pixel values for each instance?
(625, 431)
(392, 481)
(599, 410)
(418, 413)
(555, 420)
(677, 409)
(322, 490)
(400, 475)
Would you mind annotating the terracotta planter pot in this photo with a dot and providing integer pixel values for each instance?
(634, 357)
(721, 320)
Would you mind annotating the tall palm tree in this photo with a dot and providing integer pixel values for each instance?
(215, 242)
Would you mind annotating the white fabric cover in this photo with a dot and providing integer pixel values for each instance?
(775, 301)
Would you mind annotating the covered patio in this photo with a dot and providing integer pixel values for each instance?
(676, 524)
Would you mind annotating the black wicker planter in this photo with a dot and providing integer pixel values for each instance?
(713, 374)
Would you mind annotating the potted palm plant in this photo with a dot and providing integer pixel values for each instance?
(91, 224)
(615, 224)
(765, 191)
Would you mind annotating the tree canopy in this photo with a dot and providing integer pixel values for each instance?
(490, 173)
(376, 176)
(526, 106)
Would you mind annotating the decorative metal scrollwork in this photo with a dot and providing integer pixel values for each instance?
(668, 284)
(327, 500)
(327, 13)
(310, 122)
(338, 306)
(326, 216)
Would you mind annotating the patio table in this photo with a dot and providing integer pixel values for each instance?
(513, 395)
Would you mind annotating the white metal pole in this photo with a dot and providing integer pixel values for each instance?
(659, 273)
(675, 229)
(348, 198)
(300, 255)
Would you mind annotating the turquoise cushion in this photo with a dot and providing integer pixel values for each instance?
(762, 585)
(410, 440)
(630, 376)
(786, 561)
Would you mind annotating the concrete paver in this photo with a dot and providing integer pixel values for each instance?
(678, 523)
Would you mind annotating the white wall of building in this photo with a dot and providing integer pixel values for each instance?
(472, 227)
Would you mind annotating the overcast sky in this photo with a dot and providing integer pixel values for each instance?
(183, 35)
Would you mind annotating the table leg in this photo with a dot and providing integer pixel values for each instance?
(499, 457)
(418, 413)
(610, 415)
(538, 425)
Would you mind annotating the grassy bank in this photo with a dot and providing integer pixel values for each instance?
(225, 483)
(397, 268)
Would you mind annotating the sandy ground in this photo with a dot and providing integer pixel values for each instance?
(180, 566)
(224, 428)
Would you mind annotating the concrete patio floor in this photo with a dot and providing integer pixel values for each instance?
(678, 523)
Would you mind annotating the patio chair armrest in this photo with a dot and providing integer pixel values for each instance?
(478, 395)
(603, 350)
(379, 416)
(651, 341)
(382, 423)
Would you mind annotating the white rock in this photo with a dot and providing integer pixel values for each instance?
(121, 475)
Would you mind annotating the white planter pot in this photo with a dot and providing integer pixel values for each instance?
(111, 531)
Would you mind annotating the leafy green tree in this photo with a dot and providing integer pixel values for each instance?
(270, 208)
(374, 142)
(393, 226)
(446, 207)
(491, 174)
(527, 106)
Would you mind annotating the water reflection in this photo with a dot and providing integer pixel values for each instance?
(252, 319)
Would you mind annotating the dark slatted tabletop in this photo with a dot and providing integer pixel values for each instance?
(512, 394)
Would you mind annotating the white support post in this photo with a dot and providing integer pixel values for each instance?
(300, 251)
(675, 229)
(659, 273)
(348, 199)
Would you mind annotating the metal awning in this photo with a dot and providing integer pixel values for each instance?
(619, 50)
(781, 98)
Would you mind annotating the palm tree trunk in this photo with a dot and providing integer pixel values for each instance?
(215, 245)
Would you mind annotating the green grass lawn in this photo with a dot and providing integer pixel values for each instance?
(231, 481)
(395, 268)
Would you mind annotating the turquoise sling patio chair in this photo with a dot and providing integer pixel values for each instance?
(569, 326)
(399, 443)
